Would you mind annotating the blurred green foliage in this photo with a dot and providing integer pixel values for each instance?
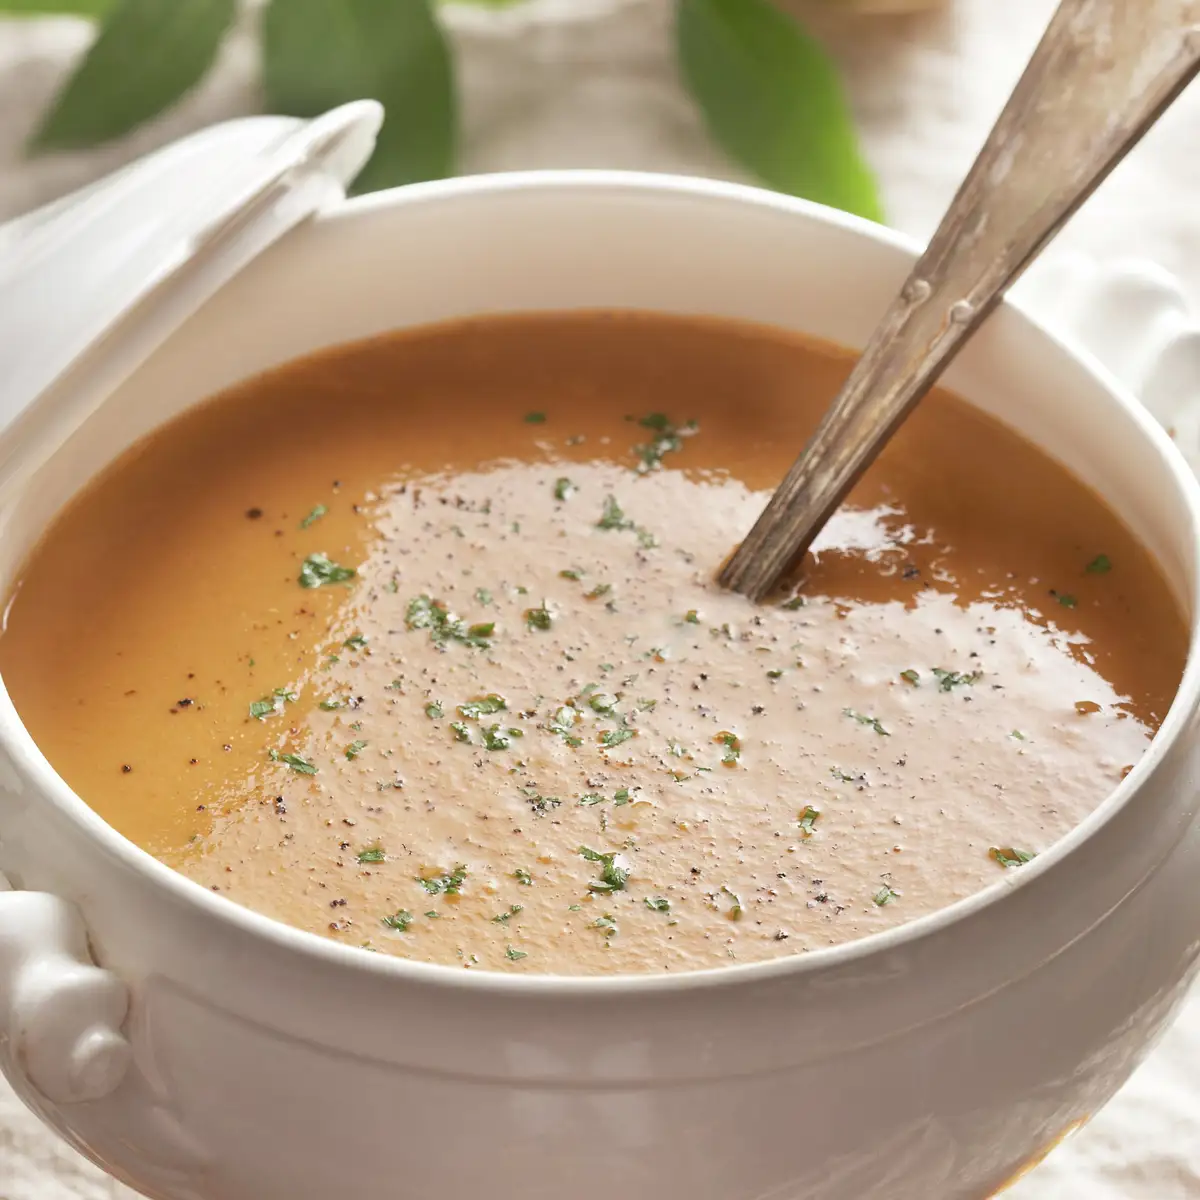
(769, 92)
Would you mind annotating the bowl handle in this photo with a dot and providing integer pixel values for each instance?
(60, 1014)
(1136, 322)
(64, 1045)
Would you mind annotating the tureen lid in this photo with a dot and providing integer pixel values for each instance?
(91, 285)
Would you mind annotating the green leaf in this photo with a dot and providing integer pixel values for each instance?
(39, 8)
(772, 98)
(321, 53)
(318, 569)
(148, 54)
(295, 761)
(1009, 856)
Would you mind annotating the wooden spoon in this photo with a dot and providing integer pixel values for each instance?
(1101, 76)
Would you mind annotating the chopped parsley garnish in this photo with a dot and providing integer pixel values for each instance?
(372, 854)
(775, 673)
(948, 680)
(445, 626)
(330, 704)
(1064, 598)
(733, 747)
(1020, 737)
(539, 803)
(622, 796)
(668, 439)
(863, 719)
(886, 895)
(434, 710)
(1100, 565)
(535, 418)
(483, 596)
(319, 510)
(691, 617)
(607, 923)
(356, 641)
(590, 798)
(614, 737)
(571, 573)
(540, 618)
(495, 738)
(614, 870)
(317, 570)
(794, 603)
(601, 589)
(504, 917)
(483, 706)
(564, 489)
(449, 884)
(613, 516)
(355, 748)
(1010, 856)
(658, 904)
(273, 703)
(564, 722)
(808, 820)
(602, 702)
(461, 732)
(399, 921)
(910, 676)
(735, 908)
(523, 877)
(295, 761)
(515, 955)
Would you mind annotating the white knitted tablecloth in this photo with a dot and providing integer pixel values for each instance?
(575, 83)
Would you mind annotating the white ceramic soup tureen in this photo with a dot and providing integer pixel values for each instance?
(202, 1052)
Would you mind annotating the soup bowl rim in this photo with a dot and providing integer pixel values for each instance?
(117, 849)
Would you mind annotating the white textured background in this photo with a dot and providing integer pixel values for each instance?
(574, 83)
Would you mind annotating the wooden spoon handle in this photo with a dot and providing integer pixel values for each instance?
(1101, 76)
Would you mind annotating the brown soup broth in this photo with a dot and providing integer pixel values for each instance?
(511, 723)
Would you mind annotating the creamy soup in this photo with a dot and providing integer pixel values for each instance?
(415, 644)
